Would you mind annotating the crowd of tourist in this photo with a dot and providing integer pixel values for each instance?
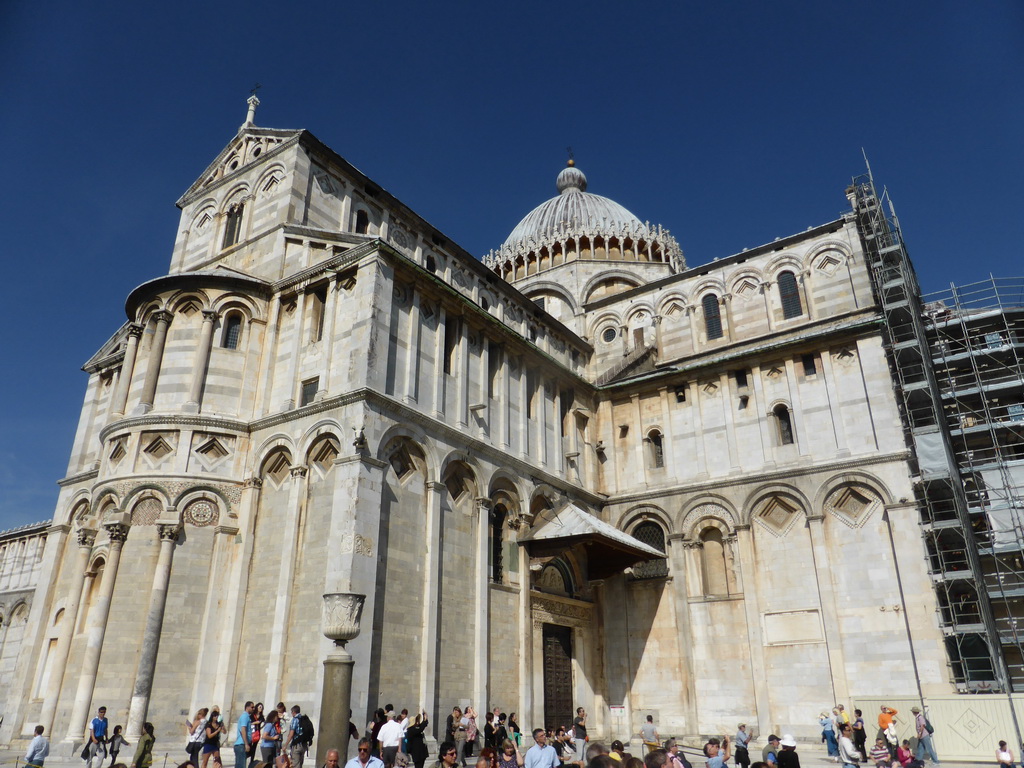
(281, 738)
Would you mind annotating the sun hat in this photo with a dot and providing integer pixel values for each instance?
(788, 740)
(915, 710)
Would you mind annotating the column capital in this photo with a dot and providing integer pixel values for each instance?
(86, 537)
(819, 518)
(134, 329)
(436, 486)
(209, 315)
(168, 531)
(744, 527)
(483, 502)
(118, 532)
(253, 482)
(162, 316)
(299, 470)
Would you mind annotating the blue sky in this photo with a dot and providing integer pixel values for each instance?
(731, 123)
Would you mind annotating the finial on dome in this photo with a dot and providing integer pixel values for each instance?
(253, 102)
(571, 179)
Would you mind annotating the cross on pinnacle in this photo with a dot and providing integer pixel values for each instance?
(254, 89)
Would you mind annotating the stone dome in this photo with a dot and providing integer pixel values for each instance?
(573, 209)
(578, 225)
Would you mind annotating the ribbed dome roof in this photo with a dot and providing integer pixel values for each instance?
(574, 208)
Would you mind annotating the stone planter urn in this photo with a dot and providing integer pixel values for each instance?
(340, 617)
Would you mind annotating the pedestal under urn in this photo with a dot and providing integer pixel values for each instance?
(340, 617)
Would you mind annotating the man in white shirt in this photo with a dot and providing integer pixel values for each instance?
(541, 754)
(390, 738)
(38, 749)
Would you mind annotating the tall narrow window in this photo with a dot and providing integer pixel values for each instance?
(810, 365)
(232, 331)
(233, 225)
(318, 301)
(715, 580)
(784, 423)
(451, 343)
(789, 292)
(497, 521)
(493, 367)
(655, 450)
(712, 317)
(362, 222)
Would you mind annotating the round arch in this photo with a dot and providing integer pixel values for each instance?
(608, 275)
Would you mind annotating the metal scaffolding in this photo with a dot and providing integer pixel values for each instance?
(956, 361)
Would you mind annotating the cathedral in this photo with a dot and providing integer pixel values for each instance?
(577, 471)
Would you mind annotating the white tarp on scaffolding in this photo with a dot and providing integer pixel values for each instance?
(931, 453)
(1005, 516)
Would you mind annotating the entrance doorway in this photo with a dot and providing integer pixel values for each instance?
(558, 703)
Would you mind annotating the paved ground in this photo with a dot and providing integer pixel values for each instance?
(811, 756)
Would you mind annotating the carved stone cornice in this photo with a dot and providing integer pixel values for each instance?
(172, 420)
(549, 610)
(81, 477)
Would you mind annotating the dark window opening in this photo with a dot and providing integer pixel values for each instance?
(656, 449)
(233, 225)
(741, 379)
(309, 389)
(232, 331)
(785, 424)
(712, 317)
(810, 365)
(451, 343)
(318, 302)
(362, 222)
(497, 521)
(681, 394)
(789, 292)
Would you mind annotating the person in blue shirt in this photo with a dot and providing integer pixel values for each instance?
(242, 736)
(38, 750)
(541, 754)
(719, 756)
(98, 737)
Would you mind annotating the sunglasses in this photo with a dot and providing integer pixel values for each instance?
(450, 754)
(364, 749)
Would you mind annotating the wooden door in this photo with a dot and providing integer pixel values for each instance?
(558, 703)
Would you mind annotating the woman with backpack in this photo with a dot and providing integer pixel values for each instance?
(196, 731)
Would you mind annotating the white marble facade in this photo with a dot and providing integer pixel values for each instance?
(327, 394)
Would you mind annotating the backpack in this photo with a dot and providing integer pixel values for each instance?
(928, 726)
(306, 730)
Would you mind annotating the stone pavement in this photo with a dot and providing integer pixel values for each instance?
(811, 756)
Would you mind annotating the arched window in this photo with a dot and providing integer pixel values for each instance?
(653, 535)
(712, 317)
(713, 547)
(498, 514)
(233, 225)
(784, 424)
(789, 293)
(232, 331)
(655, 450)
(362, 222)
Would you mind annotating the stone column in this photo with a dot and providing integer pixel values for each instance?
(439, 352)
(86, 539)
(829, 612)
(482, 608)
(156, 357)
(677, 558)
(168, 533)
(97, 627)
(285, 576)
(340, 623)
(431, 597)
(200, 363)
(462, 389)
(412, 366)
(752, 608)
(124, 381)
